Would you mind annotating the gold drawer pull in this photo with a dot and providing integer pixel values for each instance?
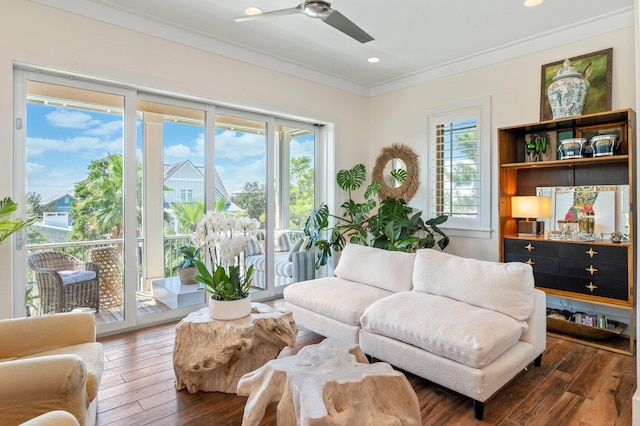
(591, 252)
(530, 262)
(591, 286)
(529, 247)
(591, 269)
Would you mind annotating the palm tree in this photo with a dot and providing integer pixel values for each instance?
(98, 209)
(187, 215)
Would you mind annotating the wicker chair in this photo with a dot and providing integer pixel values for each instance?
(60, 286)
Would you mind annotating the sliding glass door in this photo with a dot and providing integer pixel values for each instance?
(118, 178)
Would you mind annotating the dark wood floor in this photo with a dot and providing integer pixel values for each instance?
(576, 385)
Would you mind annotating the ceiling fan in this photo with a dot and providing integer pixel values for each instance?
(318, 9)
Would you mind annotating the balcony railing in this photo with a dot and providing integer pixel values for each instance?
(82, 250)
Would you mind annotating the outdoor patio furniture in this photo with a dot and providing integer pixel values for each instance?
(63, 282)
(110, 271)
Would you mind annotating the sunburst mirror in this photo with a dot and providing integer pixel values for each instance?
(397, 171)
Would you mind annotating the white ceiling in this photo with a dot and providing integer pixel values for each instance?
(417, 40)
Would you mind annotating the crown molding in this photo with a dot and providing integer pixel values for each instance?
(614, 21)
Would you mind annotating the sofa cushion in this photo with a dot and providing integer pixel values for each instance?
(342, 300)
(464, 333)
(281, 241)
(73, 277)
(389, 270)
(295, 248)
(281, 263)
(502, 287)
(254, 248)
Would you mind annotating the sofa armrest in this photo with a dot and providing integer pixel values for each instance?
(34, 386)
(25, 336)
(53, 418)
(303, 267)
(536, 334)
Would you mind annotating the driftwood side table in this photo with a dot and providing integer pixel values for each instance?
(331, 383)
(212, 356)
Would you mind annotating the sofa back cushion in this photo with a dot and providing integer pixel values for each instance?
(388, 270)
(501, 287)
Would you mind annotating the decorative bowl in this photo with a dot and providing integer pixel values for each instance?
(571, 148)
(603, 145)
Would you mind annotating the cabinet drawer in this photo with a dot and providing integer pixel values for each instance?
(584, 268)
(607, 254)
(548, 265)
(581, 286)
(599, 287)
(531, 247)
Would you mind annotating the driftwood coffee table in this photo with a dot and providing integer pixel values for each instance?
(211, 355)
(330, 383)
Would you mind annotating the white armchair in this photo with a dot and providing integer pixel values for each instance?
(50, 363)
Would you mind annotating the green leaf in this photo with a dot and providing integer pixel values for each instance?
(372, 189)
(350, 180)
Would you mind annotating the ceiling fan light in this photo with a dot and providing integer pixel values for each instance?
(373, 60)
(531, 3)
(250, 11)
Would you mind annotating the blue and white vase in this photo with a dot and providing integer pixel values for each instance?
(567, 92)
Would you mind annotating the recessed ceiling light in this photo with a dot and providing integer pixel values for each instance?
(373, 60)
(252, 11)
(531, 3)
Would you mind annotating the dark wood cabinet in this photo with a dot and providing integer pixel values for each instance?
(593, 272)
(598, 272)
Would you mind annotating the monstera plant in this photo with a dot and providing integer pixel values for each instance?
(8, 226)
(392, 226)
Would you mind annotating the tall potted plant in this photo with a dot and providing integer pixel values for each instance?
(223, 237)
(393, 226)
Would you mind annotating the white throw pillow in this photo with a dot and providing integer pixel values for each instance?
(389, 270)
(502, 287)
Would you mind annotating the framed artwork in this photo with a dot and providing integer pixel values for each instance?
(540, 146)
(596, 69)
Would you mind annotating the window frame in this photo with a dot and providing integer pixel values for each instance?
(479, 109)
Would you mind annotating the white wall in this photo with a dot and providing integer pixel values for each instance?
(514, 87)
(43, 36)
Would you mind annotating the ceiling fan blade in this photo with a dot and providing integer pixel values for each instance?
(281, 12)
(340, 22)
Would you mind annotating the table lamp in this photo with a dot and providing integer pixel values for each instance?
(530, 208)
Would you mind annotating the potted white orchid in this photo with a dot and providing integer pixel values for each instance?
(223, 237)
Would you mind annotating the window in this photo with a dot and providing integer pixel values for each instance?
(186, 195)
(459, 148)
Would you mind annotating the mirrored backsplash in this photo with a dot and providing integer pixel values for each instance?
(610, 205)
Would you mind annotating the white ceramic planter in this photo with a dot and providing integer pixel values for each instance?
(229, 309)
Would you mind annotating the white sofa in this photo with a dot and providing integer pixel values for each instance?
(466, 324)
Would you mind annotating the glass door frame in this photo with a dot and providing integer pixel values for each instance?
(19, 261)
(323, 189)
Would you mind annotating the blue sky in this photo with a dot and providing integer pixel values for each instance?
(61, 143)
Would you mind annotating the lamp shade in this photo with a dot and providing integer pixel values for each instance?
(530, 206)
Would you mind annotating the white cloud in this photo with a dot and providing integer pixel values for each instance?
(233, 147)
(177, 151)
(36, 147)
(70, 119)
(106, 129)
